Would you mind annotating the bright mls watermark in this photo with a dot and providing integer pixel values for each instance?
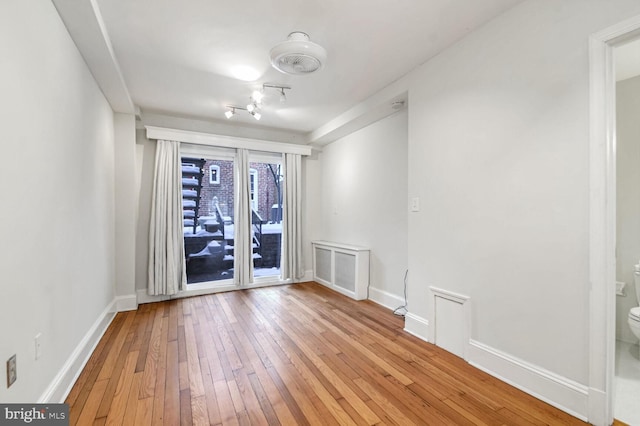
(34, 414)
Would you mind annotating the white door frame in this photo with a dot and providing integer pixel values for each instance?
(602, 220)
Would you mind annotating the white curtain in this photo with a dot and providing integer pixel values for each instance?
(243, 245)
(291, 261)
(167, 273)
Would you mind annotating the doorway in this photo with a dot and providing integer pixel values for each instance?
(210, 187)
(602, 227)
(627, 356)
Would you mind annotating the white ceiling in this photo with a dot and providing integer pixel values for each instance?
(177, 57)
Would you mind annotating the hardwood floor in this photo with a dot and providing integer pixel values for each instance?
(298, 354)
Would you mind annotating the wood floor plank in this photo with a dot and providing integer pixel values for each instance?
(290, 355)
(193, 361)
(171, 406)
(132, 402)
(148, 385)
(90, 408)
(209, 393)
(225, 403)
(161, 374)
(110, 362)
(144, 413)
(185, 408)
(121, 396)
(110, 391)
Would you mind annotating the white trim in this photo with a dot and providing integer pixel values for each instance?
(63, 382)
(253, 189)
(125, 303)
(208, 288)
(144, 297)
(86, 27)
(308, 276)
(418, 326)
(384, 298)
(457, 298)
(559, 391)
(450, 295)
(209, 139)
(215, 181)
(602, 217)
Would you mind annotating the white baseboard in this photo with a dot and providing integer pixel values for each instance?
(386, 299)
(308, 276)
(598, 408)
(559, 391)
(126, 303)
(62, 383)
(143, 297)
(418, 326)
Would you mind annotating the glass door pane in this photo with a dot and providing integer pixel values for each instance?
(266, 181)
(208, 206)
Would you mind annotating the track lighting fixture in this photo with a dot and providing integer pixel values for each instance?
(281, 89)
(256, 101)
(232, 110)
(255, 111)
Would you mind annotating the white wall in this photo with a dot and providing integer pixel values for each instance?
(498, 154)
(144, 207)
(363, 200)
(311, 207)
(126, 208)
(56, 183)
(628, 198)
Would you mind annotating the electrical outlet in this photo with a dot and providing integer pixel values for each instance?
(12, 370)
(38, 343)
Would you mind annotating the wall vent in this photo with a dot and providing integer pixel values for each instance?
(342, 267)
(450, 321)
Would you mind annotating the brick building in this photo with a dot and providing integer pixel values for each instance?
(218, 182)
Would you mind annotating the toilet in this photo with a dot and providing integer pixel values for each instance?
(634, 313)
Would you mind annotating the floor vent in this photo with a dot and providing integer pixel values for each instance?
(342, 267)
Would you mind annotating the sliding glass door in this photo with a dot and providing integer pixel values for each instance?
(209, 188)
(266, 199)
(208, 207)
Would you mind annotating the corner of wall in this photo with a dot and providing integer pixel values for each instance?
(418, 326)
(63, 382)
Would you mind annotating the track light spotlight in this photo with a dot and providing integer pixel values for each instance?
(256, 115)
(232, 110)
(257, 96)
(281, 89)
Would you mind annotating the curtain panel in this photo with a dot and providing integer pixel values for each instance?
(291, 262)
(167, 274)
(243, 251)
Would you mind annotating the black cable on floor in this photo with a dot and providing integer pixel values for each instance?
(396, 311)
